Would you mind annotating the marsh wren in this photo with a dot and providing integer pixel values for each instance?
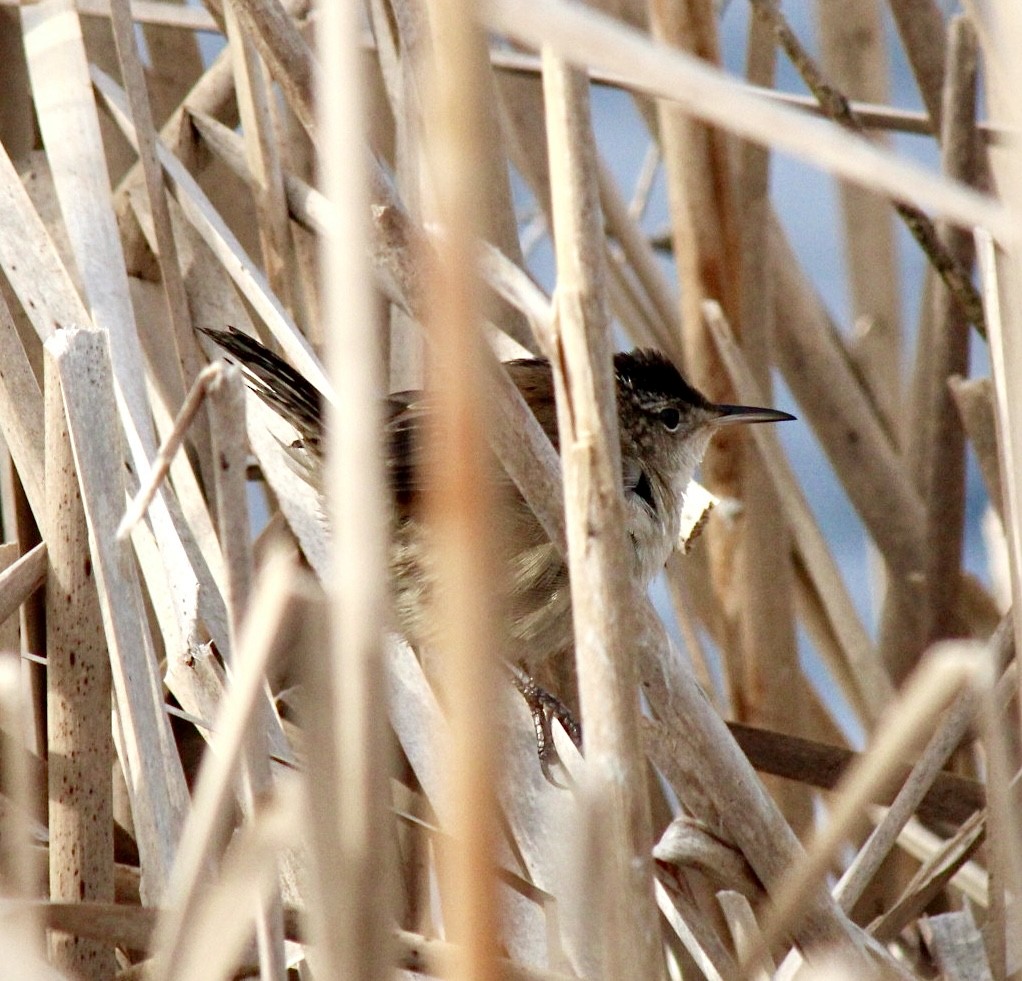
(665, 427)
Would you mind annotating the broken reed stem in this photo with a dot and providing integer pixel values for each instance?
(80, 745)
(21, 579)
(227, 426)
(165, 455)
(974, 400)
(154, 775)
(837, 107)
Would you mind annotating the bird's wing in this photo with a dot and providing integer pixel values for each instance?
(291, 395)
(407, 414)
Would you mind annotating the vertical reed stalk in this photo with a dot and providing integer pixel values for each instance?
(460, 498)
(602, 594)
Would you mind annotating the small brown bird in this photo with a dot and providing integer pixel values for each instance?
(665, 427)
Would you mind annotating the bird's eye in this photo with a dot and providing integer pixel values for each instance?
(671, 419)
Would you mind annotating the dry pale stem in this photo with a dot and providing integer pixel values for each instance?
(78, 705)
(601, 589)
(459, 494)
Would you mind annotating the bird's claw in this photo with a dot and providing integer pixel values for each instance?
(544, 708)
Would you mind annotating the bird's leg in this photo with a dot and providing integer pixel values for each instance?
(545, 707)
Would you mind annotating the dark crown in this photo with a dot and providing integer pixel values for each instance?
(650, 374)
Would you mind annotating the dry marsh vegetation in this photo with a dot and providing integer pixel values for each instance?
(217, 762)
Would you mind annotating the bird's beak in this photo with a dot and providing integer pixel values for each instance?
(732, 414)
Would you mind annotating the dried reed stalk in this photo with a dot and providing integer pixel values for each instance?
(460, 498)
(156, 782)
(853, 54)
(348, 824)
(944, 459)
(601, 591)
(20, 578)
(80, 744)
(764, 590)
(22, 872)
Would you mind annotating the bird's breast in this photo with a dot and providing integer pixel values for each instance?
(652, 530)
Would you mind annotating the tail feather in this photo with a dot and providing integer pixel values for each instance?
(284, 389)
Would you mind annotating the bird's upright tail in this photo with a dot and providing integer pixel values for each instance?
(279, 385)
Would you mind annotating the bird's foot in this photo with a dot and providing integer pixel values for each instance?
(544, 708)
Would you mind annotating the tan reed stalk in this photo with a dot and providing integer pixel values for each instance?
(252, 84)
(156, 784)
(944, 457)
(601, 592)
(353, 913)
(1003, 829)
(943, 865)
(869, 675)
(974, 399)
(21, 402)
(272, 607)
(707, 235)
(459, 495)
(944, 742)
(853, 53)
(950, 269)
(79, 739)
(871, 114)
(401, 33)
(1003, 277)
(23, 874)
(211, 93)
(227, 426)
(777, 694)
(188, 362)
(20, 579)
(921, 28)
(218, 236)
